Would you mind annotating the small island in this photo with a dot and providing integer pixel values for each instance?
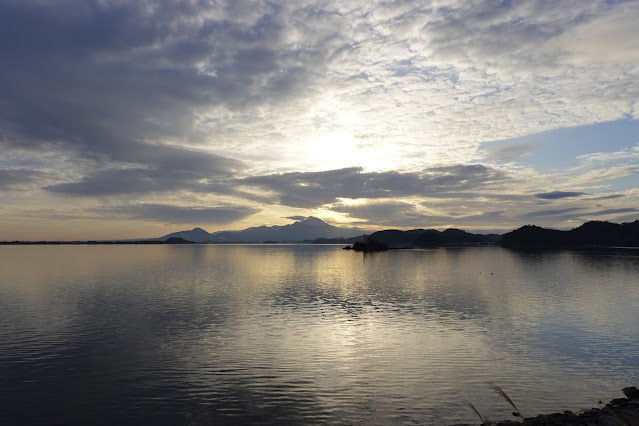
(368, 246)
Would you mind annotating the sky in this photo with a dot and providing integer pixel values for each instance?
(127, 119)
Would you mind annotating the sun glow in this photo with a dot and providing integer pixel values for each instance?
(339, 149)
(351, 201)
(334, 150)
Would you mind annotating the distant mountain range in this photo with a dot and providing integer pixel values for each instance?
(312, 229)
(307, 229)
(317, 231)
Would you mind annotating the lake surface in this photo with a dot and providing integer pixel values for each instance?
(303, 334)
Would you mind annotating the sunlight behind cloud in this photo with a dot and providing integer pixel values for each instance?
(333, 149)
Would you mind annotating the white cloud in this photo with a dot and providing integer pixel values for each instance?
(605, 40)
(626, 154)
(604, 174)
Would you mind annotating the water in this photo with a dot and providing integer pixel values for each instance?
(302, 334)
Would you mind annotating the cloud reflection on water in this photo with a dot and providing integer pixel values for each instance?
(261, 332)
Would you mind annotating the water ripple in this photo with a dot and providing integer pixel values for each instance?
(309, 334)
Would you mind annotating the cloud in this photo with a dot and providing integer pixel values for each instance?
(602, 174)
(509, 153)
(12, 179)
(490, 217)
(599, 167)
(222, 75)
(123, 82)
(172, 173)
(591, 41)
(551, 212)
(626, 154)
(117, 181)
(178, 214)
(614, 211)
(609, 197)
(313, 189)
(555, 195)
(383, 212)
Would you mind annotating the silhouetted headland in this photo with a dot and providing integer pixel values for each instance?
(595, 233)
(395, 238)
(591, 234)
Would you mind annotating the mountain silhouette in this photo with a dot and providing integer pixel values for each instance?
(198, 235)
(433, 238)
(594, 233)
(307, 229)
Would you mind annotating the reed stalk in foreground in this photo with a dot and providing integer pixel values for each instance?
(499, 390)
(619, 419)
(484, 421)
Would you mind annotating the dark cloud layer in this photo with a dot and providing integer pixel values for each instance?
(131, 181)
(116, 81)
(610, 197)
(167, 171)
(614, 211)
(177, 214)
(138, 63)
(313, 189)
(296, 218)
(11, 178)
(555, 195)
(387, 212)
(551, 212)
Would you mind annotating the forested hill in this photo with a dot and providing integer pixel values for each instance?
(595, 233)
(433, 238)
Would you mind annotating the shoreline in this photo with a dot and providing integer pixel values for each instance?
(618, 412)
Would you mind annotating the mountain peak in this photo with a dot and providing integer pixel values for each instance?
(305, 229)
(313, 220)
(197, 235)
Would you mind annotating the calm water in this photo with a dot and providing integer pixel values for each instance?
(299, 334)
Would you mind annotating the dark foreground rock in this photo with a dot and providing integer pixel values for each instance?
(618, 412)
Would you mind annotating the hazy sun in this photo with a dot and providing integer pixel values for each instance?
(334, 150)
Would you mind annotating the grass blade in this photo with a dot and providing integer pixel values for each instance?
(508, 400)
(620, 420)
(484, 421)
